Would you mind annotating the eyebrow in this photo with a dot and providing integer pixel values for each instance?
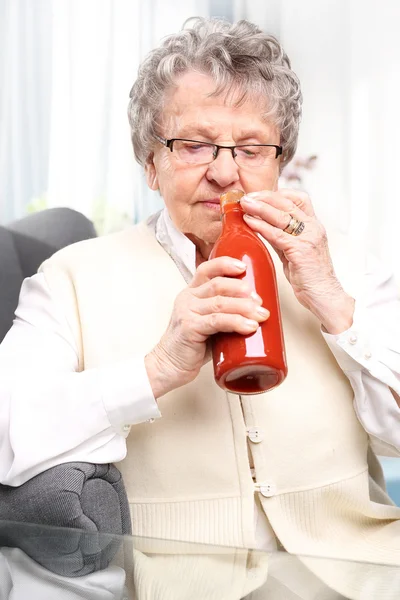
(202, 130)
(208, 132)
(261, 136)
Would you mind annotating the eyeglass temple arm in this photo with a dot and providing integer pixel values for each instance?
(168, 143)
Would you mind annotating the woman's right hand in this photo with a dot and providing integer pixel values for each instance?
(215, 301)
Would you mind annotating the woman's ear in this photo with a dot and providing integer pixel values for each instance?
(151, 173)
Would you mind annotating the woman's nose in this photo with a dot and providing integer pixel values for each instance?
(223, 170)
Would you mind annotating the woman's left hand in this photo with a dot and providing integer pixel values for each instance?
(306, 259)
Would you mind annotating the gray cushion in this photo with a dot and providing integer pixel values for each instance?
(26, 243)
(80, 496)
(11, 277)
(67, 552)
(39, 235)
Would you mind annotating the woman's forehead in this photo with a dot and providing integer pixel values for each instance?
(192, 107)
(194, 89)
(245, 122)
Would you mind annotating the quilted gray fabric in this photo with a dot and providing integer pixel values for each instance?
(90, 500)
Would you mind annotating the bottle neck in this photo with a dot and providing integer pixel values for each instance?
(232, 214)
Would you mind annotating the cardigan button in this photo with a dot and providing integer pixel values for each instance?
(255, 435)
(126, 428)
(267, 489)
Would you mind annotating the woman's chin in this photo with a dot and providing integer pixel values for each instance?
(211, 232)
(207, 234)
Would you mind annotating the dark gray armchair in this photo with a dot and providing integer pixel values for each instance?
(26, 243)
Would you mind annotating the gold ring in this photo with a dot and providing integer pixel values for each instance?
(295, 226)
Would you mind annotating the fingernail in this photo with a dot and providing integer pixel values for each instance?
(250, 324)
(238, 264)
(248, 200)
(252, 195)
(262, 311)
(256, 297)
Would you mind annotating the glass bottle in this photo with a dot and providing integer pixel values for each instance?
(255, 363)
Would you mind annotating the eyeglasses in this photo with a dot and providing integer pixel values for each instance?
(194, 152)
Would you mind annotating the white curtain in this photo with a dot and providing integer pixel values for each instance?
(373, 160)
(25, 82)
(66, 68)
(98, 45)
(347, 55)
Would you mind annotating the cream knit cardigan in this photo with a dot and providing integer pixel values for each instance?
(187, 474)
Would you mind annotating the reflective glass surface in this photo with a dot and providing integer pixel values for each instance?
(39, 562)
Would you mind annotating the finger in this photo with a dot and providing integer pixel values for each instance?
(301, 200)
(233, 306)
(263, 210)
(287, 207)
(225, 323)
(273, 199)
(226, 286)
(216, 267)
(279, 239)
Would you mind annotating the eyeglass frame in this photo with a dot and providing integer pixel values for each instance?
(170, 144)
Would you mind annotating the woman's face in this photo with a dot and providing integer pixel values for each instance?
(191, 192)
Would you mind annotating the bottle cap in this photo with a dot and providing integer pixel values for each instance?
(232, 197)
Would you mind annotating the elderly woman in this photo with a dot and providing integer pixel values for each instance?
(107, 359)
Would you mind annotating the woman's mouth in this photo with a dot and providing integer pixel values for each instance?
(212, 203)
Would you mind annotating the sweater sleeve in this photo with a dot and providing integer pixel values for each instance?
(51, 413)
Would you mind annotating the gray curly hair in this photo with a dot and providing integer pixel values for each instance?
(239, 56)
